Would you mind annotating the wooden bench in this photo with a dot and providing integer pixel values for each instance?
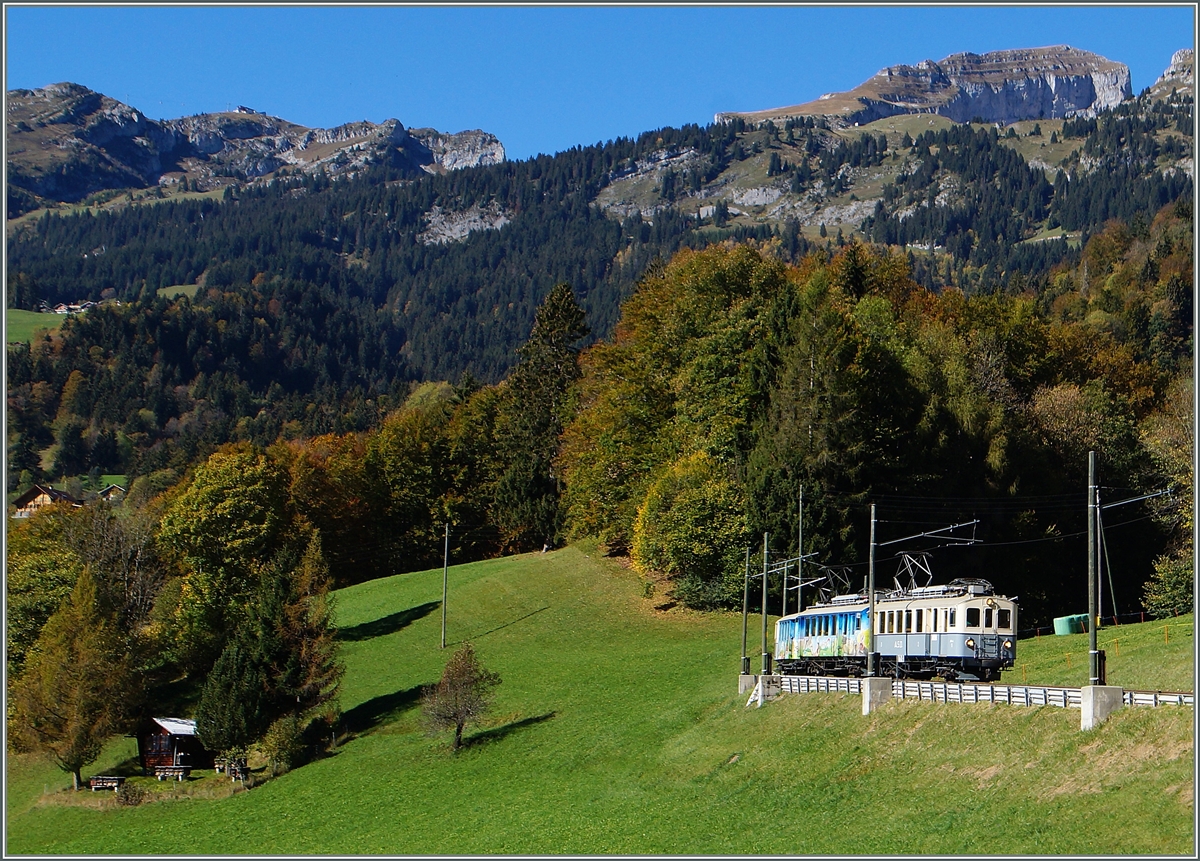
(105, 781)
(178, 772)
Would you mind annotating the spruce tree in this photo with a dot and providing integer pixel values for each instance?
(532, 417)
(234, 709)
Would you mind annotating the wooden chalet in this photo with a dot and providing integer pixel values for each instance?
(171, 743)
(112, 493)
(38, 497)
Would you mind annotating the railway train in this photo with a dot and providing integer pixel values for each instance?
(961, 630)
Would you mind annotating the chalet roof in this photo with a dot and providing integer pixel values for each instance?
(177, 726)
(37, 490)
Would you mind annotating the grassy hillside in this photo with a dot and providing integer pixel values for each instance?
(23, 325)
(617, 729)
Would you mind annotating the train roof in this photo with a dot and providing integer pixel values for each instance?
(964, 586)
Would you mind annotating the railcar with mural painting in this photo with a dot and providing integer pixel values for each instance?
(960, 630)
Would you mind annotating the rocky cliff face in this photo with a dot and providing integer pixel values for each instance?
(66, 142)
(1181, 74)
(1001, 86)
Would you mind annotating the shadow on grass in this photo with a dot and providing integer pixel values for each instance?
(499, 627)
(385, 708)
(129, 767)
(389, 624)
(489, 736)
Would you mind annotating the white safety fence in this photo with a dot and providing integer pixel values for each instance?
(963, 692)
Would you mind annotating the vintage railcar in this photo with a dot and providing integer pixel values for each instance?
(960, 630)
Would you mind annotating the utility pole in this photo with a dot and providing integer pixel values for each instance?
(871, 668)
(445, 572)
(745, 613)
(800, 554)
(1093, 654)
(766, 656)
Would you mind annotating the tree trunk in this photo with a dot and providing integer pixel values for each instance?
(76, 779)
(458, 728)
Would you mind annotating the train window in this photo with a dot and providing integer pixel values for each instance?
(972, 617)
(891, 622)
(933, 619)
(950, 614)
(1004, 618)
(987, 618)
(919, 622)
(908, 620)
(879, 625)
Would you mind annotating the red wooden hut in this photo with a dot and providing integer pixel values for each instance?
(171, 742)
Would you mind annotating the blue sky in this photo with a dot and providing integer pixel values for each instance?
(542, 79)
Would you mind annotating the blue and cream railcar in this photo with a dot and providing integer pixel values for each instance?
(960, 630)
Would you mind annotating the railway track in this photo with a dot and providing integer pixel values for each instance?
(967, 692)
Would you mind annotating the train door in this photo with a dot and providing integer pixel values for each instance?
(917, 623)
(989, 637)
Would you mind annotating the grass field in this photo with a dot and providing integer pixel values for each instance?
(23, 325)
(188, 290)
(618, 730)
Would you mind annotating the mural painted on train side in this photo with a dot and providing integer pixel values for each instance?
(823, 635)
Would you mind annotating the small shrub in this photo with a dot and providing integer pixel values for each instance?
(282, 744)
(130, 794)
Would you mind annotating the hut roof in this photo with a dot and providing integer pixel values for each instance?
(176, 726)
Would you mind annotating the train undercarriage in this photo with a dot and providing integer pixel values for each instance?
(948, 669)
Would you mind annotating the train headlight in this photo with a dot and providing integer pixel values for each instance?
(1008, 644)
(970, 643)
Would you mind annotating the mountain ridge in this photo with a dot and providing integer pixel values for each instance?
(66, 142)
(1054, 82)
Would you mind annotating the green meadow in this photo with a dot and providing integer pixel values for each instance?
(618, 730)
(23, 325)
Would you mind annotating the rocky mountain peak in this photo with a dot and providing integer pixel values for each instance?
(66, 142)
(999, 86)
(1182, 71)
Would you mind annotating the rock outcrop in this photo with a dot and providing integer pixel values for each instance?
(1000, 87)
(1180, 75)
(66, 142)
